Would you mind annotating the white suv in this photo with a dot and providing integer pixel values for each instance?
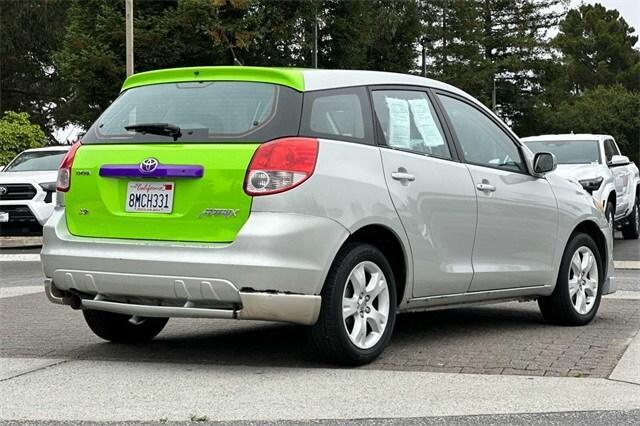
(595, 161)
(28, 190)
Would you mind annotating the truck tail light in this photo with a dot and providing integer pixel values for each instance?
(64, 172)
(281, 165)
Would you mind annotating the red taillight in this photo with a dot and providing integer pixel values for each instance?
(280, 165)
(64, 172)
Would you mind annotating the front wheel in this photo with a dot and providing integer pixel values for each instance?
(120, 328)
(576, 298)
(631, 230)
(358, 307)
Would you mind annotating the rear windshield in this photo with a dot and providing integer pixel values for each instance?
(36, 161)
(569, 152)
(206, 111)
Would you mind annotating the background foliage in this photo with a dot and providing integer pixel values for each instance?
(17, 133)
(551, 69)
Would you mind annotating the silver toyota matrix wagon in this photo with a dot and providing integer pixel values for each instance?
(334, 199)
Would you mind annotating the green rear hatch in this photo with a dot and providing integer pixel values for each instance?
(212, 208)
(223, 115)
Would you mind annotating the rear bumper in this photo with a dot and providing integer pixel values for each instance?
(274, 270)
(294, 308)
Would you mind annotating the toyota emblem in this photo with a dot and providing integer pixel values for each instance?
(3, 190)
(149, 165)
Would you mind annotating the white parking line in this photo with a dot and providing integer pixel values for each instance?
(19, 257)
(624, 295)
(20, 291)
(626, 264)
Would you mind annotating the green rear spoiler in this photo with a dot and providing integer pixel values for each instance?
(282, 76)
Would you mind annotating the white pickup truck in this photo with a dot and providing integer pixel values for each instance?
(595, 161)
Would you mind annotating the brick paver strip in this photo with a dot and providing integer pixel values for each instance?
(509, 338)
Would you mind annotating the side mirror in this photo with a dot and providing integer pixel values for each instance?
(1, 168)
(544, 162)
(618, 160)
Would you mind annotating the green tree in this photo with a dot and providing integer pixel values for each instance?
(612, 110)
(592, 85)
(168, 34)
(479, 45)
(17, 133)
(374, 35)
(597, 47)
(30, 31)
(92, 58)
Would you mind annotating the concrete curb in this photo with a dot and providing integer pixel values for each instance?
(628, 368)
(152, 391)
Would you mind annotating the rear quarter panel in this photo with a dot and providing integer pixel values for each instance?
(347, 186)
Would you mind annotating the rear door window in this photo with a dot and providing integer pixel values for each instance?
(409, 122)
(204, 111)
(341, 114)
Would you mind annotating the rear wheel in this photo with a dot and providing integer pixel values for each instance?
(631, 230)
(358, 307)
(120, 328)
(576, 298)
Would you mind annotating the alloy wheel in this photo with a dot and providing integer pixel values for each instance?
(583, 280)
(365, 305)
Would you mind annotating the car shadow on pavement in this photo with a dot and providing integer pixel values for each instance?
(508, 338)
(283, 345)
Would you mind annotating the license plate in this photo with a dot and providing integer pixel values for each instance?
(149, 197)
(4, 217)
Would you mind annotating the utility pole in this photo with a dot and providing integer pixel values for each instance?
(493, 96)
(129, 33)
(315, 37)
(423, 41)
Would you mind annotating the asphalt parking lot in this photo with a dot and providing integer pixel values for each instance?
(47, 346)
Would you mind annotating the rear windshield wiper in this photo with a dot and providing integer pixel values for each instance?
(162, 129)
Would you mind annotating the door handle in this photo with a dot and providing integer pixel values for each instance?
(485, 187)
(403, 176)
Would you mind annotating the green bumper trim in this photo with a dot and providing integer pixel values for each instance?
(289, 77)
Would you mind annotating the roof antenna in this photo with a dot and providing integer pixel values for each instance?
(572, 132)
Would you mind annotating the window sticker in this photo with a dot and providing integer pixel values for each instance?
(399, 123)
(425, 123)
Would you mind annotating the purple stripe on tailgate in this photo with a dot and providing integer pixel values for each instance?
(162, 171)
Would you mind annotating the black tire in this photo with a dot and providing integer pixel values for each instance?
(610, 214)
(118, 329)
(558, 307)
(631, 230)
(329, 334)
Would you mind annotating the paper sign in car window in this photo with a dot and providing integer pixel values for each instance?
(399, 123)
(425, 123)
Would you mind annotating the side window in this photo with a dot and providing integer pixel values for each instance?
(482, 141)
(342, 114)
(610, 150)
(408, 121)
